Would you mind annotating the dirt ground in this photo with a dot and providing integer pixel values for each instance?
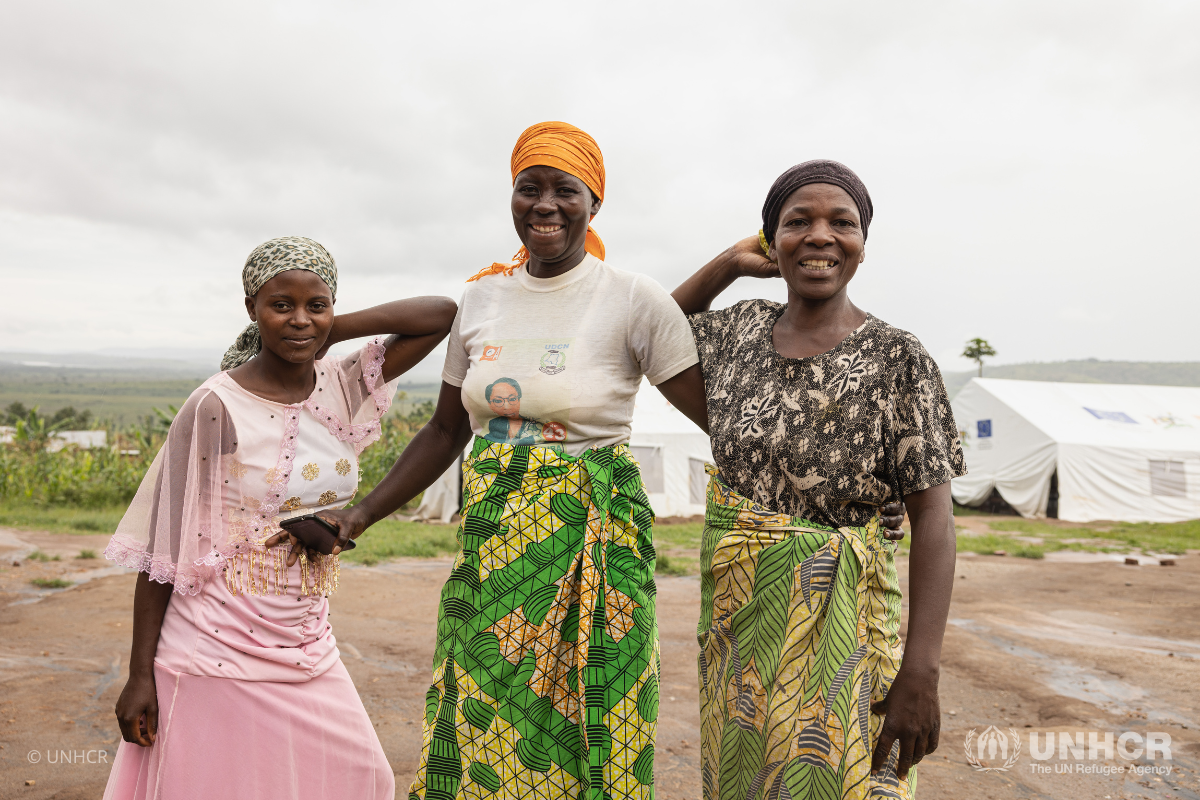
(1033, 647)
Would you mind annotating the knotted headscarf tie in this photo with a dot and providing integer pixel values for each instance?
(268, 260)
(565, 147)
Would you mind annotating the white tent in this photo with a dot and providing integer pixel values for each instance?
(441, 501)
(671, 450)
(1119, 452)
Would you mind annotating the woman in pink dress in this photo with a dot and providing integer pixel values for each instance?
(235, 684)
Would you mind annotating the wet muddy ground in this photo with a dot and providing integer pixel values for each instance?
(1034, 647)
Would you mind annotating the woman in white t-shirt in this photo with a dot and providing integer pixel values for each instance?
(546, 668)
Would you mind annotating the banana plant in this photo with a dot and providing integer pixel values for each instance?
(33, 433)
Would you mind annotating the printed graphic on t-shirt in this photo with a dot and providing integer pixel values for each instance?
(520, 390)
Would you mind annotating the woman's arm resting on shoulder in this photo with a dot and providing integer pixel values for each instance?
(416, 326)
(137, 707)
(744, 260)
(685, 391)
(912, 707)
(427, 456)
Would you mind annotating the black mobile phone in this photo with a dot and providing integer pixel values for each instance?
(315, 533)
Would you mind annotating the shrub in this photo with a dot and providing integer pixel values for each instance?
(51, 583)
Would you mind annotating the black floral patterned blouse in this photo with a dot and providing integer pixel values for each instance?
(828, 438)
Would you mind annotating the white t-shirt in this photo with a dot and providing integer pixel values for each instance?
(558, 361)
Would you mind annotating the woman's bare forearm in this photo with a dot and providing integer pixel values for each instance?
(425, 458)
(744, 260)
(930, 576)
(150, 600)
(415, 325)
(698, 292)
(414, 316)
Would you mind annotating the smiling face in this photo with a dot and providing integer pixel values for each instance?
(504, 401)
(551, 211)
(819, 242)
(294, 312)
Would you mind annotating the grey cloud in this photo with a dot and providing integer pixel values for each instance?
(1005, 145)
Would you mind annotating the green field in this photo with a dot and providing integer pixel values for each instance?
(118, 396)
(122, 392)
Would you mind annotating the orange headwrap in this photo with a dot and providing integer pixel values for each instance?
(565, 147)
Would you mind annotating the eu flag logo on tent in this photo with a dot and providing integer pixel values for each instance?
(983, 428)
(1111, 416)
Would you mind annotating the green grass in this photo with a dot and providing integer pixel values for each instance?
(676, 565)
(990, 543)
(50, 583)
(1158, 537)
(38, 555)
(686, 535)
(87, 554)
(394, 539)
(967, 511)
(61, 519)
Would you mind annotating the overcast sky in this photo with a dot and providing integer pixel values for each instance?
(1033, 165)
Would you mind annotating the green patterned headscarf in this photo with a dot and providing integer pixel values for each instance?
(268, 260)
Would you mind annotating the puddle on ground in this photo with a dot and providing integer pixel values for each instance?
(18, 548)
(1105, 691)
(1041, 626)
(1083, 557)
(30, 594)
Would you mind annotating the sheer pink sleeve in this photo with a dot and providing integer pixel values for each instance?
(366, 394)
(176, 520)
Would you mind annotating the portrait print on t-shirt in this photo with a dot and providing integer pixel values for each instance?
(526, 396)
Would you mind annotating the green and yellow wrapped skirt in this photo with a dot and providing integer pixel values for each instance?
(798, 637)
(545, 678)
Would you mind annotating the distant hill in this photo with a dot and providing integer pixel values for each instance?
(117, 389)
(1153, 373)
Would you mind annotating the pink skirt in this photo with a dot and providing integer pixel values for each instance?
(222, 737)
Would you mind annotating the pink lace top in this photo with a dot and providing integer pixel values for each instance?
(235, 465)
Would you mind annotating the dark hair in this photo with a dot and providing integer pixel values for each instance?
(487, 393)
(819, 171)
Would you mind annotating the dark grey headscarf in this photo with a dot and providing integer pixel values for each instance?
(817, 171)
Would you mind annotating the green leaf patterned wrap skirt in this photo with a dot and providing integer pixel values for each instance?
(798, 636)
(545, 675)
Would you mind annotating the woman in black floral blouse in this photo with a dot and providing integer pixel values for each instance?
(819, 414)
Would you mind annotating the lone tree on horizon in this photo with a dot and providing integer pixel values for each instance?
(978, 349)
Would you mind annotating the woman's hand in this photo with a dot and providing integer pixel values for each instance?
(914, 719)
(137, 710)
(744, 260)
(137, 707)
(350, 522)
(891, 516)
(911, 705)
(297, 547)
(747, 260)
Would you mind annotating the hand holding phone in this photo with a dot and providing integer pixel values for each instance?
(315, 533)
